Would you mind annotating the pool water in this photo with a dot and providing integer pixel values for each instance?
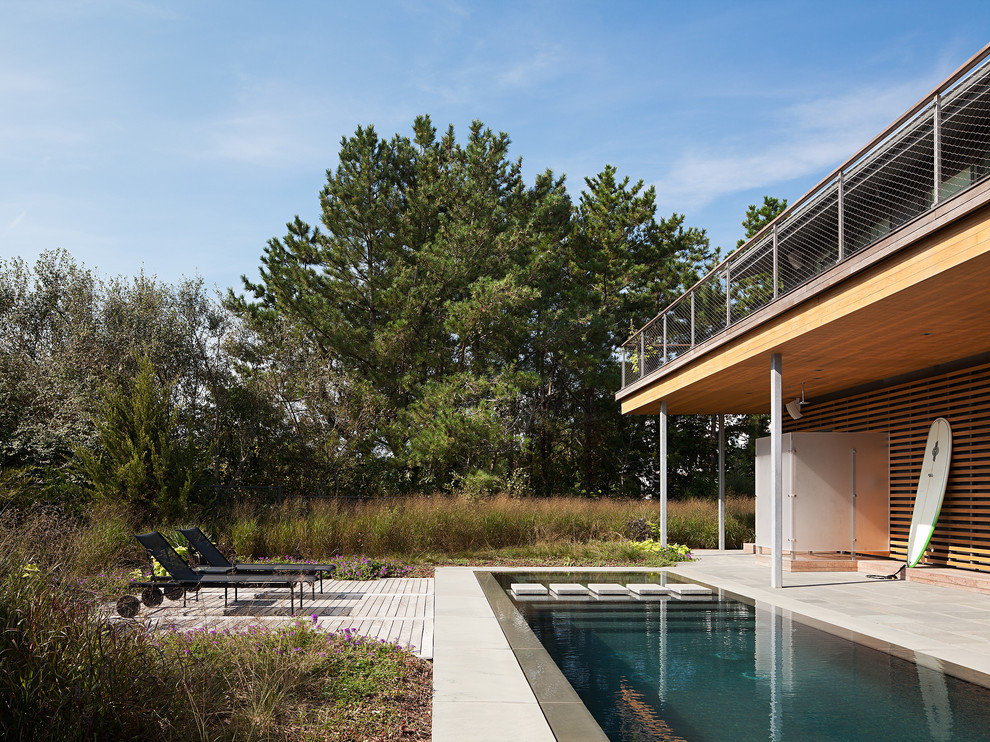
(717, 669)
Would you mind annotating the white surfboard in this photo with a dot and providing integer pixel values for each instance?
(931, 489)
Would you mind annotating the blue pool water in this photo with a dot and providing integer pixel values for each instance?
(722, 670)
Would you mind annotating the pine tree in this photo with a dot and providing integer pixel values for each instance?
(757, 217)
(417, 291)
(619, 264)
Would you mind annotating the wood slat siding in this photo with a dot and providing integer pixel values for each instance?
(906, 411)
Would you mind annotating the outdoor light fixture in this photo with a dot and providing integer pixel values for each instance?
(794, 406)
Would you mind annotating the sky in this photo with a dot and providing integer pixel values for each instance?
(178, 137)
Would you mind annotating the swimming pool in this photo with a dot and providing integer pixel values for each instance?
(717, 669)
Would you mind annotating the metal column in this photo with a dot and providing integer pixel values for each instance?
(776, 441)
(663, 473)
(721, 481)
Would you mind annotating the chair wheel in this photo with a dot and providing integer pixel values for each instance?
(128, 606)
(151, 596)
(174, 592)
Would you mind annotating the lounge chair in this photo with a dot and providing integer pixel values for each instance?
(216, 560)
(182, 576)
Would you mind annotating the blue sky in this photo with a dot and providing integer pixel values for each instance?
(180, 136)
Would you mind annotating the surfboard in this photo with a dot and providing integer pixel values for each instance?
(931, 489)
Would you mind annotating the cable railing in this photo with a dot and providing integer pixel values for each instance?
(944, 139)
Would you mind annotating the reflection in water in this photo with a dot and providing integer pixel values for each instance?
(937, 708)
(639, 718)
(718, 670)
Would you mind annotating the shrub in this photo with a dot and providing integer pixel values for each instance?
(671, 552)
(66, 673)
(639, 529)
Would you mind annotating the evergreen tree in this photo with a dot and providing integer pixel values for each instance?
(757, 217)
(417, 293)
(143, 460)
(447, 324)
(619, 264)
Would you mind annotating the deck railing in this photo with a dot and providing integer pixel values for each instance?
(944, 139)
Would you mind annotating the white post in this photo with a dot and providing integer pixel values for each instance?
(852, 504)
(776, 441)
(721, 481)
(663, 473)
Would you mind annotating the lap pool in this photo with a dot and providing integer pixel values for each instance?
(715, 668)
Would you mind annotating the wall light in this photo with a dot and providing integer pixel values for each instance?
(794, 406)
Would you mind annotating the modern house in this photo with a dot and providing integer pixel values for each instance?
(868, 298)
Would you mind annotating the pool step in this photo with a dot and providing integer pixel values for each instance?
(528, 588)
(688, 588)
(638, 588)
(568, 588)
(607, 588)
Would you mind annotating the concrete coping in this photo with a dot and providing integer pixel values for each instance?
(565, 712)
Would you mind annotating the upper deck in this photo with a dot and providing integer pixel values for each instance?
(874, 273)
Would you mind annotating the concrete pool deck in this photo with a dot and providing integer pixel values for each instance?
(481, 691)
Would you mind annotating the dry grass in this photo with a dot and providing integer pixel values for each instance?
(66, 672)
(459, 527)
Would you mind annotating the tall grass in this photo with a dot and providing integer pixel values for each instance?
(695, 523)
(68, 672)
(457, 526)
(65, 672)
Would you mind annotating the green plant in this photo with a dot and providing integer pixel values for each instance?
(142, 459)
(65, 674)
(673, 552)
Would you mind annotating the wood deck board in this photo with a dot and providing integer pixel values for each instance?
(396, 610)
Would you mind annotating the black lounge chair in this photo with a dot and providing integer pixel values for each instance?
(182, 576)
(201, 543)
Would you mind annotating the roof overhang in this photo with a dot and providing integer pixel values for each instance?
(918, 299)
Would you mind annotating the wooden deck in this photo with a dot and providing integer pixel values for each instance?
(394, 610)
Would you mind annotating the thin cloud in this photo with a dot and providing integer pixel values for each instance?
(538, 67)
(268, 123)
(13, 224)
(527, 65)
(260, 138)
(814, 137)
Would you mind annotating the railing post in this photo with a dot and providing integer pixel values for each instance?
(642, 353)
(842, 216)
(776, 279)
(692, 319)
(728, 297)
(623, 367)
(937, 147)
(664, 339)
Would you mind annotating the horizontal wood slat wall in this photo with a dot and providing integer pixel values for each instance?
(906, 411)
